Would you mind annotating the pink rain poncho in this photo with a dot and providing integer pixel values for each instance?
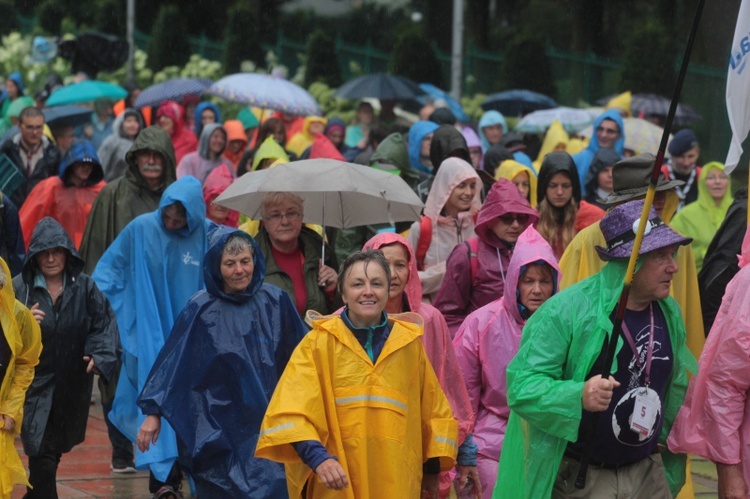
(714, 420)
(485, 344)
(447, 232)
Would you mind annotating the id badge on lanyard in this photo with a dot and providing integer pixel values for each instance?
(647, 403)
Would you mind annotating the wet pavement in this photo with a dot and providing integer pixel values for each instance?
(84, 472)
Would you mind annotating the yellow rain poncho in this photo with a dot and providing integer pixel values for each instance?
(510, 168)
(621, 102)
(270, 149)
(381, 421)
(25, 341)
(576, 145)
(555, 139)
(304, 139)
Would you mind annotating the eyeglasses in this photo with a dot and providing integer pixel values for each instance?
(608, 131)
(291, 216)
(509, 218)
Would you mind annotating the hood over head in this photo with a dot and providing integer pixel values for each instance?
(309, 121)
(119, 120)
(443, 116)
(212, 265)
(452, 172)
(217, 182)
(81, 151)
(715, 213)
(188, 191)
(447, 142)
(413, 288)
(494, 156)
(322, 147)
(199, 110)
(488, 119)
(205, 138)
(615, 116)
(471, 137)
(530, 248)
(18, 105)
(16, 78)
(510, 168)
(554, 136)
(556, 162)
(155, 139)
(172, 110)
(502, 198)
(602, 159)
(235, 131)
(392, 150)
(49, 234)
(248, 119)
(621, 102)
(269, 149)
(417, 132)
(334, 123)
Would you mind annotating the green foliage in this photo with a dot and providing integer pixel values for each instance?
(526, 65)
(8, 21)
(111, 17)
(240, 42)
(15, 51)
(169, 43)
(642, 74)
(414, 57)
(343, 108)
(322, 64)
(50, 15)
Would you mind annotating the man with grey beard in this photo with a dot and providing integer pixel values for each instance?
(151, 169)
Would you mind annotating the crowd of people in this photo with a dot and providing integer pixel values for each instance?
(456, 356)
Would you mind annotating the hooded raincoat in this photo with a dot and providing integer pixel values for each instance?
(199, 163)
(81, 323)
(382, 421)
(581, 260)
(490, 118)
(165, 270)
(199, 111)
(235, 131)
(584, 158)
(602, 159)
(114, 148)
(713, 422)
(183, 139)
(216, 183)
(304, 139)
(462, 292)
(559, 346)
(417, 133)
(701, 220)
(215, 375)
(120, 201)
(58, 198)
(553, 139)
(392, 151)
(447, 232)
(322, 147)
(472, 140)
(485, 345)
(510, 168)
(21, 333)
(269, 149)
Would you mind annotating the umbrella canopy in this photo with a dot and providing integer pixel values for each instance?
(437, 94)
(86, 91)
(380, 86)
(643, 105)
(70, 114)
(175, 90)
(267, 92)
(336, 194)
(518, 102)
(572, 119)
(640, 135)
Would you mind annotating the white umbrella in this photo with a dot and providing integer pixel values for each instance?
(336, 193)
(266, 92)
(572, 120)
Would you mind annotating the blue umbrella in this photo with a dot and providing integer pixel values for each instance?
(380, 86)
(267, 92)
(175, 89)
(86, 91)
(518, 102)
(70, 114)
(437, 94)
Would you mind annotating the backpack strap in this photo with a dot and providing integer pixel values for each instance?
(473, 246)
(425, 239)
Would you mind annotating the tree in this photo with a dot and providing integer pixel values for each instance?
(322, 63)
(111, 17)
(648, 74)
(8, 22)
(526, 66)
(50, 15)
(169, 45)
(240, 40)
(414, 57)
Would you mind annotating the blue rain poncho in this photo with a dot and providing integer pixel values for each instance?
(148, 275)
(215, 376)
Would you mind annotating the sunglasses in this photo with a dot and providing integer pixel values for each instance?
(509, 218)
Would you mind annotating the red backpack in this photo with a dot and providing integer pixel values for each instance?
(425, 239)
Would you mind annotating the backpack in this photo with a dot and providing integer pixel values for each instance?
(425, 239)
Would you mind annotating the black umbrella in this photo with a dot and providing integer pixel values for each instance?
(518, 102)
(645, 105)
(71, 114)
(380, 86)
(175, 89)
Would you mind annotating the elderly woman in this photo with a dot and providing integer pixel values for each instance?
(20, 346)
(489, 339)
(359, 408)
(236, 361)
(293, 255)
(79, 334)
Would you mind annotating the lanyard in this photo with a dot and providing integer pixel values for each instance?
(682, 192)
(649, 351)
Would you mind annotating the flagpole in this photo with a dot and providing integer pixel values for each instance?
(580, 482)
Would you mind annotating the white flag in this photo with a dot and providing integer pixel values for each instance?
(738, 86)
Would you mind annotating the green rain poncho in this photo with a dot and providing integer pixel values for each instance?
(560, 344)
(701, 219)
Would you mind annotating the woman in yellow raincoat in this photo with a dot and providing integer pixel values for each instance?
(555, 139)
(19, 354)
(359, 412)
(523, 177)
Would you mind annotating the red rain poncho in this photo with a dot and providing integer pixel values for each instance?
(216, 183)
(183, 140)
